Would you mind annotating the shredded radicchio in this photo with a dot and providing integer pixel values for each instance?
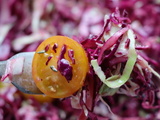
(71, 56)
(64, 66)
(49, 58)
(112, 54)
(55, 46)
(47, 48)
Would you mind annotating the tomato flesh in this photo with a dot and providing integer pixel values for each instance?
(48, 75)
(39, 98)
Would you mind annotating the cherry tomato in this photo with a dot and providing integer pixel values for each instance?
(39, 98)
(59, 66)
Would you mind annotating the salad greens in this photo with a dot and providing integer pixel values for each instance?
(118, 80)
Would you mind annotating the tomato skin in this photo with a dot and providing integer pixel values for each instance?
(51, 81)
(39, 98)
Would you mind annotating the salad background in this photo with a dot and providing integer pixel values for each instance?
(24, 24)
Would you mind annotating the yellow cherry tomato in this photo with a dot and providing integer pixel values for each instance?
(39, 98)
(59, 66)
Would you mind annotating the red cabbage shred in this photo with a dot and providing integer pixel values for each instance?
(63, 65)
(55, 46)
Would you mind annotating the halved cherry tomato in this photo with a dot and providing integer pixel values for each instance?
(59, 66)
(39, 98)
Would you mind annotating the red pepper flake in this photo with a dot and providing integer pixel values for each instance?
(49, 58)
(55, 46)
(71, 55)
(47, 48)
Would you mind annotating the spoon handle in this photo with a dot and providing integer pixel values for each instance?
(2, 67)
(18, 71)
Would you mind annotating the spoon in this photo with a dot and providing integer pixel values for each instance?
(18, 71)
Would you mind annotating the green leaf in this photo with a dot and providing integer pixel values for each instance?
(106, 91)
(116, 81)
